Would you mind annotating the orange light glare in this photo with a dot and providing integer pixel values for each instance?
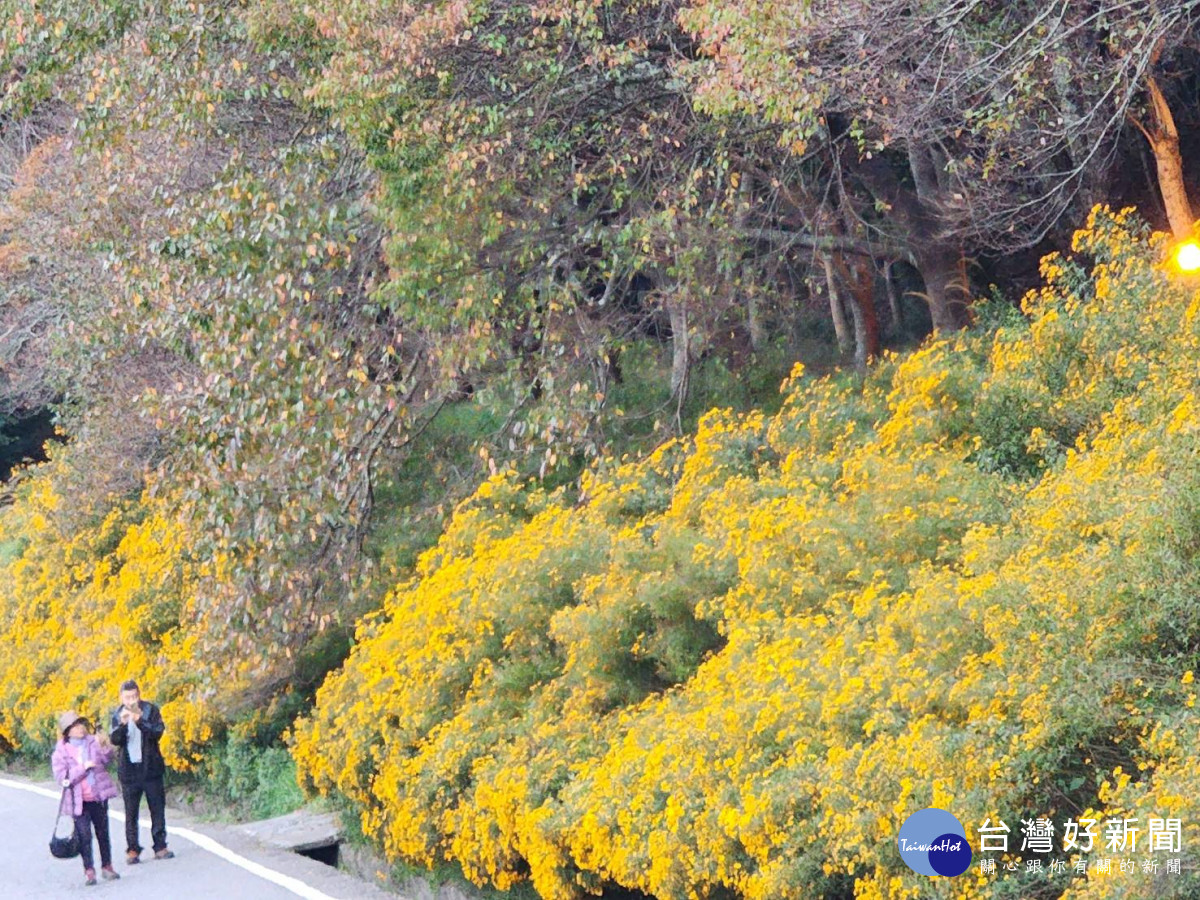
(1187, 257)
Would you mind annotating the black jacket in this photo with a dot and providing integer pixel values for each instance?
(152, 728)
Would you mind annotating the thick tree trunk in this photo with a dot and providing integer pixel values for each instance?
(1164, 141)
(924, 173)
(860, 297)
(866, 320)
(945, 291)
(835, 306)
(940, 263)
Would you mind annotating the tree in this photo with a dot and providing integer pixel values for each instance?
(546, 189)
(1163, 137)
(207, 259)
(972, 124)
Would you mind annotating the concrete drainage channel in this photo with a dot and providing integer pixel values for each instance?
(315, 835)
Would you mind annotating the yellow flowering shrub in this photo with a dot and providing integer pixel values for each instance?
(736, 667)
(88, 600)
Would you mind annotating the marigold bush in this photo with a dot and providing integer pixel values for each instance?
(734, 668)
(89, 598)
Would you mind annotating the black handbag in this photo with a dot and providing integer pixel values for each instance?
(64, 847)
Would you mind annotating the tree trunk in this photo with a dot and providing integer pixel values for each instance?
(866, 320)
(924, 173)
(941, 268)
(936, 252)
(835, 306)
(1164, 141)
(893, 301)
(680, 350)
(754, 321)
(861, 299)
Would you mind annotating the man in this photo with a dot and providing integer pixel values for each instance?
(137, 726)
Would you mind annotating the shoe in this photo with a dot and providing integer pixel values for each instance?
(164, 853)
(108, 873)
(132, 857)
(89, 876)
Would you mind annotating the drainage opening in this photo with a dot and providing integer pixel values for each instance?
(326, 853)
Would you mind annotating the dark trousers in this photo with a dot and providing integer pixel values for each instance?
(132, 788)
(95, 813)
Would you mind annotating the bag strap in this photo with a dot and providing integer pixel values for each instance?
(70, 787)
(58, 818)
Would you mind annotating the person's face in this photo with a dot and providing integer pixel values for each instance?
(78, 730)
(130, 699)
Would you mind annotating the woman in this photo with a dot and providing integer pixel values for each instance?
(78, 762)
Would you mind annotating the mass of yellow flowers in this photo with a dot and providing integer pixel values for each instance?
(733, 668)
(87, 601)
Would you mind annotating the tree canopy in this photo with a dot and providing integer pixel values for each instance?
(454, 331)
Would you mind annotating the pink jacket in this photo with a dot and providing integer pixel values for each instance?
(65, 764)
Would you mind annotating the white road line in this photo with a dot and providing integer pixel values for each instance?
(204, 842)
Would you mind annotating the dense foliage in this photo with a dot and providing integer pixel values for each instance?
(737, 665)
(442, 340)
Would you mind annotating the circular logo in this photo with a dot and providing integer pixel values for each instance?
(933, 842)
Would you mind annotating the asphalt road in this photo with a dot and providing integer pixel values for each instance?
(210, 861)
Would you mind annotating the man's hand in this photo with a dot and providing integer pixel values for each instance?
(136, 714)
(125, 715)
